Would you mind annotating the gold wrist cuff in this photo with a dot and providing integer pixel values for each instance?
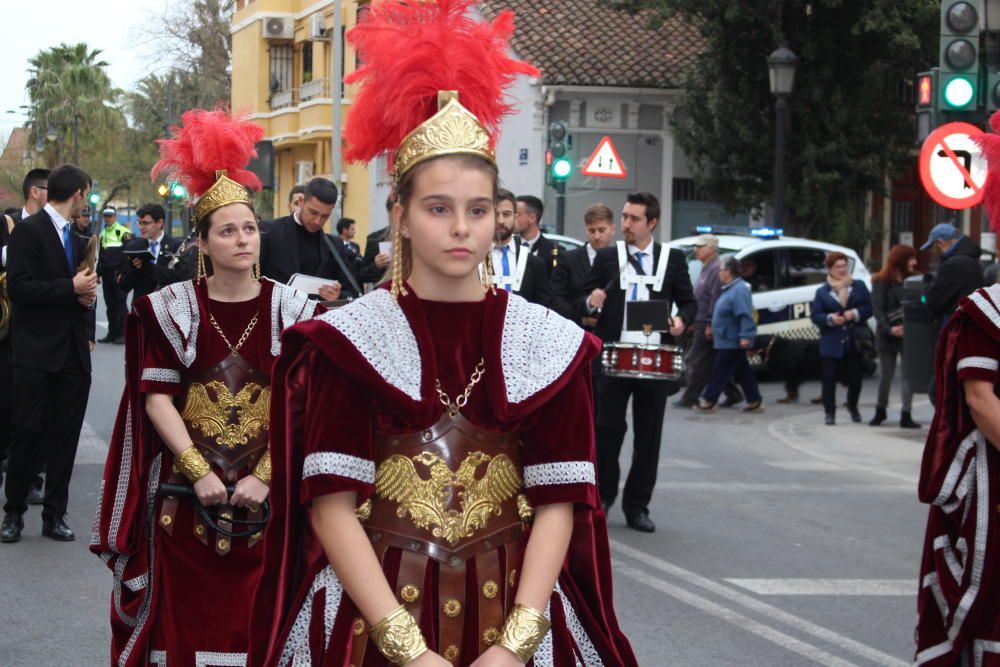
(398, 637)
(192, 464)
(262, 470)
(523, 631)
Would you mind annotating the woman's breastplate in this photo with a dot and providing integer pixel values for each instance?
(450, 492)
(226, 410)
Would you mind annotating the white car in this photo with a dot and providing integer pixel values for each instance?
(783, 272)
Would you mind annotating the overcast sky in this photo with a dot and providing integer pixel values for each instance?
(116, 27)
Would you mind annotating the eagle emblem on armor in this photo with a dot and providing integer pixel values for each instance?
(427, 501)
(232, 420)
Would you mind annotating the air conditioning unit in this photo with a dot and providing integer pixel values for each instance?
(279, 27)
(317, 28)
(303, 172)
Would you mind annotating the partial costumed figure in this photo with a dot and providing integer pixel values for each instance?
(959, 595)
(448, 513)
(194, 416)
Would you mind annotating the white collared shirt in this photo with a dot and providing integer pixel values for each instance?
(591, 253)
(511, 259)
(642, 291)
(530, 244)
(159, 245)
(57, 220)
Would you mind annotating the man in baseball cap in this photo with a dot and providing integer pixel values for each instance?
(958, 274)
(945, 232)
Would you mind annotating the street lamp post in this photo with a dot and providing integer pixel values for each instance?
(781, 66)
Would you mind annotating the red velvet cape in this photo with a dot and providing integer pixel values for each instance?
(586, 576)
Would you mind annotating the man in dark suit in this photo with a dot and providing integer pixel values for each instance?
(346, 229)
(569, 277)
(298, 244)
(375, 262)
(514, 268)
(607, 299)
(143, 276)
(34, 187)
(51, 340)
(529, 219)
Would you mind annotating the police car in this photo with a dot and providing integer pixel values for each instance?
(783, 272)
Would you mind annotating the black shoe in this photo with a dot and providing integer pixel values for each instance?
(855, 415)
(830, 419)
(57, 529)
(730, 402)
(12, 526)
(906, 421)
(35, 495)
(683, 403)
(879, 417)
(641, 522)
(120, 340)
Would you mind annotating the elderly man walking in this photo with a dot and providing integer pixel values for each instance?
(701, 356)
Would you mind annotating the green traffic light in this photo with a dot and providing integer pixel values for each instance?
(561, 169)
(93, 198)
(959, 92)
(179, 191)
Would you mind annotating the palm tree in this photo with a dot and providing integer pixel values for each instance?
(70, 90)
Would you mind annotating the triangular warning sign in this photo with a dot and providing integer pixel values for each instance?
(605, 161)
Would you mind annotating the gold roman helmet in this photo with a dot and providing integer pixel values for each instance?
(453, 130)
(225, 191)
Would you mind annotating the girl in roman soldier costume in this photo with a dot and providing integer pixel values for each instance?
(959, 596)
(449, 515)
(194, 417)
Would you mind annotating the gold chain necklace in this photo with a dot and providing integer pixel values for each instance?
(459, 403)
(243, 338)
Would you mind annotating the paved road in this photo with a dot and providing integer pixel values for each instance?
(780, 542)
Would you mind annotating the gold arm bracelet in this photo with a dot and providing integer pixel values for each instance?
(398, 637)
(523, 631)
(192, 464)
(262, 470)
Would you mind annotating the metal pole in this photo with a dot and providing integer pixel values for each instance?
(336, 94)
(780, 114)
(76, 140)
(560, 187)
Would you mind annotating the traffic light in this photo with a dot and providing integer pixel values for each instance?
(560, 167)
(163, 190)
(960, 62)
(178, 191)
(928, 110)
(94, 198)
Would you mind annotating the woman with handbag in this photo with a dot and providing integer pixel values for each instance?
(887, 302)
(840, 310)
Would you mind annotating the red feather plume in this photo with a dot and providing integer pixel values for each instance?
(205, 142)
(989, 143)
(412, 50)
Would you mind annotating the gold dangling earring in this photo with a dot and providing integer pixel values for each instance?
(397, 288)
(201, 266)
(488, 273)
(255, 273)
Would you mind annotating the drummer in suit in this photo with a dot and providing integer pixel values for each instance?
(569, 278)
(515, 269)
(637, 269)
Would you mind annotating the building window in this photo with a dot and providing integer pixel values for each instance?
(307, 62)
(281, 73)
(685, 189)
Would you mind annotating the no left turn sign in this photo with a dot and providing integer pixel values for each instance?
(952, 168)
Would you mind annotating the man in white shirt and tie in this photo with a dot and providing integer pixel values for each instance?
(514, 268)
(143, 276)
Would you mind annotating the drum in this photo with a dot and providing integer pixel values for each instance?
(642, 361)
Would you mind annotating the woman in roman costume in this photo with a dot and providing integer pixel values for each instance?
(195, 414)
(450, 517)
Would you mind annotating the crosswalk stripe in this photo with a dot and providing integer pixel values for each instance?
(859, 587)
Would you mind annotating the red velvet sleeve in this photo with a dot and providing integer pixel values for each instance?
(977, 355)
(161, 369)
(339, 435)
(559, 451)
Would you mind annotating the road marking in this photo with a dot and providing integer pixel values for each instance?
(784, 487)
(869, 587)
(91, 448)
(770, 611)
(786, 642)
(806, 466)
(683, 464)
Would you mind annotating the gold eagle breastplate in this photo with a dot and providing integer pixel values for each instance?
(226, 412)
(450, 492)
